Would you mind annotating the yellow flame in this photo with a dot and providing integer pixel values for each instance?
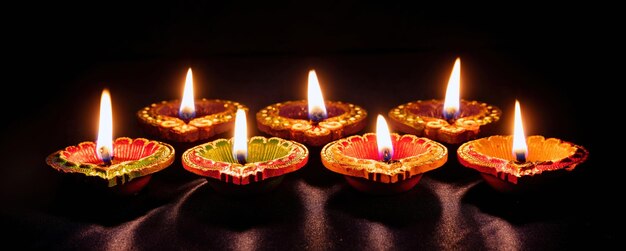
(519, 138)
(383, 137)
(451, 103)
(315, 98)
(187, 105)
(104, 144)
(240, 145)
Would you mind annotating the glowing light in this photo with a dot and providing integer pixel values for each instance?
(451, 107)
(317, 109)
(187, 107)
(104, 144)
(383, 139)
(240, 145)
(520, 149)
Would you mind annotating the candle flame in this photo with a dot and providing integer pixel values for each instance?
(520, 149)
(187, 107)
(240, 145)
(104, 144)
(451, 105)
(383, 139)
(317, 109)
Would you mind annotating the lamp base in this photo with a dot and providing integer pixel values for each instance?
(231, 189)
(547, 182)
(132, 187)
(378, 188)
(98, 186)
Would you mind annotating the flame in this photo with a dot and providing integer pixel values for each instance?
(451, 103)
(104, 144)
(520, 150)
(317, 109)
(383, 139)
(187, 106)
(240, 145)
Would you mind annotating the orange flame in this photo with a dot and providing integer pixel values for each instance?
(383, 139)
(317, 109)
(240, 145)
(187, 107)
(520, 149)
(451, 105)
(104, 144)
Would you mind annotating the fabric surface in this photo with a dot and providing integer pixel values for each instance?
(313, 209)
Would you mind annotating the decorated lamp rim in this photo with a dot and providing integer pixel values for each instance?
(568, 158)
(456, 131)
(119, 172)
(491, 114)
(387, 172)
(233, 172)
(148, 115)
(353, 113)
(352, 120)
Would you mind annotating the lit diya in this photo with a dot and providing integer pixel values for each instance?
(189, 120)
(242, 166)
(516, 163)
(452, 121)
(314, 122)
(125, 165)
(383, 163)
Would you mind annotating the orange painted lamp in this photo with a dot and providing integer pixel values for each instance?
(383, 162)
(517, 164)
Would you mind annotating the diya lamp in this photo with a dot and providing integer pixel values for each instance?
(383, 162)
(452, 121)
(189, 120)
(243, 166)
(124, 165)
(515, 163)
(313, 122)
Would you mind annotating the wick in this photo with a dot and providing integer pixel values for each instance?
(450, 114)
(105, 155)
(241, 158)
(187, 114)
(386, 155)
(520, 157)
(316, 117)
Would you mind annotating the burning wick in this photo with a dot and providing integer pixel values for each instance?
(187, 106)
(241, 158)
(520, 157)
(386, 155)
(450, 113)
(187, 114)
(316, 116)
(105, 154)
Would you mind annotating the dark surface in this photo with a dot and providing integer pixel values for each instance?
(555, 61)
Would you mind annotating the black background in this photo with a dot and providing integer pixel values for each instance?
(558, 61)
